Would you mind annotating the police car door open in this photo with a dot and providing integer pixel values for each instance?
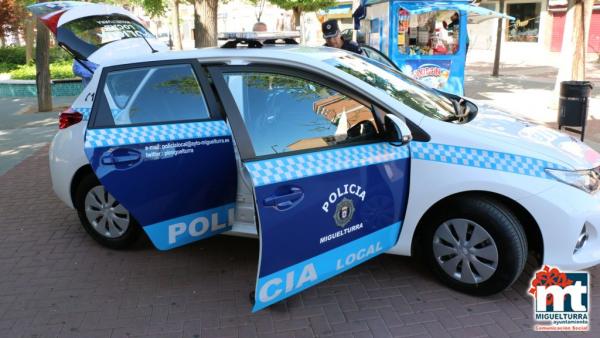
(155, 144)
(321, 211)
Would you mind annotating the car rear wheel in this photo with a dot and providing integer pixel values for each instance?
(103, 217)
(475, 245)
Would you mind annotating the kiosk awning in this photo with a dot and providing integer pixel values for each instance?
(476, 14)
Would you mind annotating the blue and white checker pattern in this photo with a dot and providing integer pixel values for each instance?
(110, 137)
(305, 165)
(480, 158)
(84, 111)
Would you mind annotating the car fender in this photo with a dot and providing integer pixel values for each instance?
(433, 181)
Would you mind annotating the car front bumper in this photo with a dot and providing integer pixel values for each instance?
(561, 213)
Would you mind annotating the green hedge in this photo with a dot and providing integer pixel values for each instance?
(16, 55)
(7, 67)
(59, 70)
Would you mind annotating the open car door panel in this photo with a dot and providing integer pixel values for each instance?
(155, 144)
(321, 210)
(323, 213)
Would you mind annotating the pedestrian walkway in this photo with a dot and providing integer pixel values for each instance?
(55, 281)
(22, 130)
(525, 88)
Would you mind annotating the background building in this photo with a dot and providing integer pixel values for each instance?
(539, 25)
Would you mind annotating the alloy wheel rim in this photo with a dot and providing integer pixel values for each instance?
(465, 251)
(106, 215)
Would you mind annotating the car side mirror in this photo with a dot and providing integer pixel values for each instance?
(397, 130)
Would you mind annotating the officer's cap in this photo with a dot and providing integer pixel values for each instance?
(330, 28)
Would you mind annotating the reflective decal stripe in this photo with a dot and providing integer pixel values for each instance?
(321, 162)
(190, 228)
(157, 133)
(284, 283)
(480, 158)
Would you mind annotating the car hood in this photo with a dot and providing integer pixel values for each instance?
(531, 139)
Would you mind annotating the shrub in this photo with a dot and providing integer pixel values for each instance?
(7, 67)
(13, 55)
(16, 55)
(59, 70)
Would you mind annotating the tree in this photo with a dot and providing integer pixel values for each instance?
(175, 25)
(299, 6)
(10, 20)
(42, 67)
(575, 37)
(205, 23)
(496, 68)
(260, 7)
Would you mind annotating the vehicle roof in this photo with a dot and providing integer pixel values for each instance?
(289, 53)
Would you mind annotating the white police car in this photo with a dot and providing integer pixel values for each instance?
(331, 158)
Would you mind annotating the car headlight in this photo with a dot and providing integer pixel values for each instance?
(586, 180)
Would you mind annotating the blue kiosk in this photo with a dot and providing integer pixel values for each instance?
(427, 40)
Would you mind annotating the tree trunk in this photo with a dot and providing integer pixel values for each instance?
(176, 31)
(29, 39)
(2, 40)
(42, 77)
(296, 18)
(205, 23)
(574, 42)
(496, 69)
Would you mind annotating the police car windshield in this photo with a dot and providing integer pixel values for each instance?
(401, 87)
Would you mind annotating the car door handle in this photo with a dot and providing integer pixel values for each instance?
(126, 157)
(285, 201)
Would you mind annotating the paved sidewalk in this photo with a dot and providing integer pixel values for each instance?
(56, 282)
(525, 88)
(22, 130)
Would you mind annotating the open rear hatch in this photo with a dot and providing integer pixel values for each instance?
(96, 32)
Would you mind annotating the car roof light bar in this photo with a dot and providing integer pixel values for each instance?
(258, 39)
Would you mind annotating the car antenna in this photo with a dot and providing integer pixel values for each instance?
(149, 45)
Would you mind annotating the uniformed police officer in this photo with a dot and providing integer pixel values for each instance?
(333, 37)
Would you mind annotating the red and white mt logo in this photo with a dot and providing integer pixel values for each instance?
(561, 300)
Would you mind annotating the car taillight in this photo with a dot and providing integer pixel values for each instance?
(68, 118)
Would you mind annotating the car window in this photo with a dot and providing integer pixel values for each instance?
(155, 94)
(99, 30)
(374, 55)
(404, 89)
(286, 113)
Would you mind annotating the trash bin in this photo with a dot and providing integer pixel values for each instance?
(573, 103)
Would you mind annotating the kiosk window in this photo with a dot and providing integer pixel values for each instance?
(431, 33)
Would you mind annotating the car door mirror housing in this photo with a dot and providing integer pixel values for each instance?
(397, 130)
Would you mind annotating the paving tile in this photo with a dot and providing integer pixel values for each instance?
(56, 281)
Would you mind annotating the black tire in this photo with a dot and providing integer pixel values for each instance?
(125, 240)
(503, 227)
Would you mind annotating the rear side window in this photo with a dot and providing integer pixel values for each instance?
(154, 95)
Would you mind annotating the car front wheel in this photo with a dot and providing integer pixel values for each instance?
(103, 217)
(475, 245)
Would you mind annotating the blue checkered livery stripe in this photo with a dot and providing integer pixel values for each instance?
(86, 112)
(485, 159)
(159, 133)
(298, 166)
